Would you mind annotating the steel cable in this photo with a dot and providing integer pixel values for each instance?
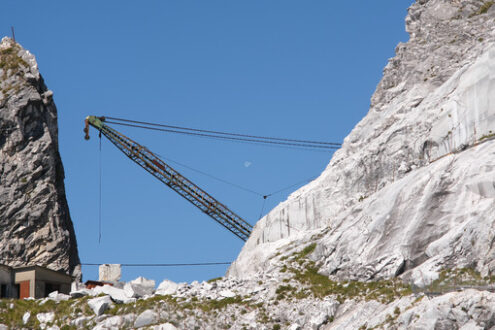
(301, 145)
(226, 133)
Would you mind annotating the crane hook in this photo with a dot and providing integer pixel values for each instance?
(86, 129)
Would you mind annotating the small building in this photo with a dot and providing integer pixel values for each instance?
(38, 282)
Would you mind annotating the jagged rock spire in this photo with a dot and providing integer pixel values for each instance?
(35, 223)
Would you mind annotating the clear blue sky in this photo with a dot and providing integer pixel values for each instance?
(299, 69)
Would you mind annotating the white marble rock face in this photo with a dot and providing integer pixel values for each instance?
(412, 189)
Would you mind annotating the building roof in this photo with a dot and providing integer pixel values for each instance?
(5, 266)
(35, 267)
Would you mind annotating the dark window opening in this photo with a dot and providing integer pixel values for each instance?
(50, 287)
(17, 290)
(3, 290)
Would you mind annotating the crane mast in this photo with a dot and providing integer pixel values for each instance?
(169, 176)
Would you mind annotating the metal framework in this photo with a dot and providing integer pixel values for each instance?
(169, 176)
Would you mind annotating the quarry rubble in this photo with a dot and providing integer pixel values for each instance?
(263, 302)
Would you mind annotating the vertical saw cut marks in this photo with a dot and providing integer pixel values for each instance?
(169, 176)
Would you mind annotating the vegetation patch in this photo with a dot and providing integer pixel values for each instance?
(321, 286)
(484, 8)
(9, 60)
(487, 136)
(211, 280)
(12, 311)
(305, 252)
(452, 279)
(182, 307)
(209, 305)
(285, 290)
(317, 285)
(321, 234)
(182, 304)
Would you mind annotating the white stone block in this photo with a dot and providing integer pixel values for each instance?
(167, 287)
(26, 317)
(110, 272)
(117, 295)
(45, 317)
(140, 287)
(100, 304)
(227, 293)
(146, 318)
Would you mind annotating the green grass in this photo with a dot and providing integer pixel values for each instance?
(325, 231)
(12, 317)
(9, 60)
(450, 279)
(68, 327)
(484, 8)
(284, 291)
(487, 136)
(300, 256)
(178, 304)
(211, 280)
(308, 249)
(10, 64)
(209, 305)
(319, 286)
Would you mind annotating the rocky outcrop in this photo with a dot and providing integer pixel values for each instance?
(411, 191)
(35, 224)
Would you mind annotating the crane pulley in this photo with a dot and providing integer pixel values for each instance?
(173, 179)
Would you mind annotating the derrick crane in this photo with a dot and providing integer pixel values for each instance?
(170, 177)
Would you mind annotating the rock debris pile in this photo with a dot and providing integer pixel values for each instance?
(291, 298)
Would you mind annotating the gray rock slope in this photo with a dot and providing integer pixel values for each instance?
(412, 189)
(35, 224)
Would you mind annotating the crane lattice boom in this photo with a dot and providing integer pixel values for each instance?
(169, 176)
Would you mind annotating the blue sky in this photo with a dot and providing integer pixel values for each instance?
(298, 69)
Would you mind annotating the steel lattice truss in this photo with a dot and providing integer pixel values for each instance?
(169, 176)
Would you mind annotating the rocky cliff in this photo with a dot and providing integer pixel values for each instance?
(35, 224)
(411, 191)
